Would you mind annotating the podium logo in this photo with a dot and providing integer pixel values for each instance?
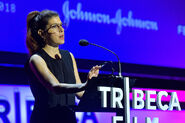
(138, 102)
(101, 18)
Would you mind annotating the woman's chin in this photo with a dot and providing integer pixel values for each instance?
(61, 42)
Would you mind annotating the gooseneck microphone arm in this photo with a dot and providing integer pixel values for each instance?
(85, 43)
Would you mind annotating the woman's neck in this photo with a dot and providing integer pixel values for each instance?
(52, 51)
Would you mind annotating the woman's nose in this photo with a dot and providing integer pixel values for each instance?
(61, 29)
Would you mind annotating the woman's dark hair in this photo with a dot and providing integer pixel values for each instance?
(37, 20)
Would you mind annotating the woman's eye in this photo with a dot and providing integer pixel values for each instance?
(54, 26)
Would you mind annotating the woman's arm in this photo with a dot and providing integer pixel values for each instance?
(78, 81)
(40, 69)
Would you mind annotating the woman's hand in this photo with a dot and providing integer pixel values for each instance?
(93, 72)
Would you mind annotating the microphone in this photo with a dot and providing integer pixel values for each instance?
(84, 42)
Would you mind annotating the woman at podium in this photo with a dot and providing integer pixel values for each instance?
(53, 74)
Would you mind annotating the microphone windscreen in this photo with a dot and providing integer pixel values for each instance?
(83, 42)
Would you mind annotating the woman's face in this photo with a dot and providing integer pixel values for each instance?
(54, 32)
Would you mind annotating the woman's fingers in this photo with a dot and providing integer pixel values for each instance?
(94, 71)
(96, 67)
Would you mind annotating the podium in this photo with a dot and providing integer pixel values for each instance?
(92, 98)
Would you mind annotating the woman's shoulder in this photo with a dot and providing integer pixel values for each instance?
(38, 55)
(67, 55)
(65, 52)
(35, 58)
